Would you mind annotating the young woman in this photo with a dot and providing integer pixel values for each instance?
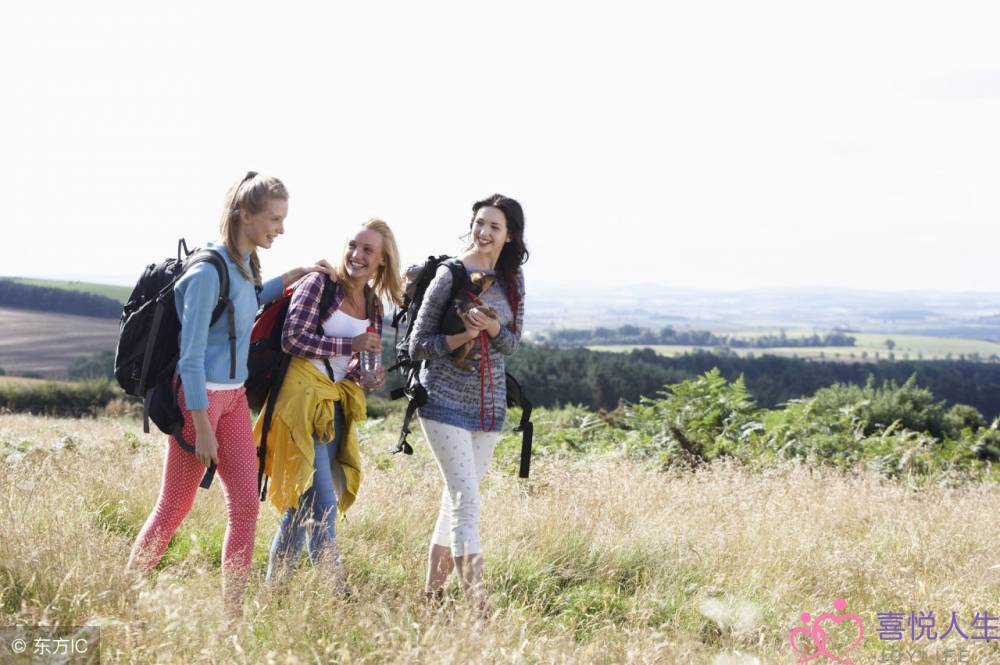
(216, 414)
(313, 458)
(465, 409)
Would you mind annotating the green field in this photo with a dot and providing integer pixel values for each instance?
(908, 347)
(119, 293)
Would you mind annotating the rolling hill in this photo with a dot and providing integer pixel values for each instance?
(46, 343)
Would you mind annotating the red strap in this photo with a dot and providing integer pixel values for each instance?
(484, 362)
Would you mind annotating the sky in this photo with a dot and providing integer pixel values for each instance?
(719, 145)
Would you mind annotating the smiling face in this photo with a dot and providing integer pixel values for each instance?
(489, 230)
(259, 229)
(362, 256)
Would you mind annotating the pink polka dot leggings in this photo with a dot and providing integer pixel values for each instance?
(182, 472)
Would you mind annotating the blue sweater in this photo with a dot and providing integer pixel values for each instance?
(204, 350)
(453, 394)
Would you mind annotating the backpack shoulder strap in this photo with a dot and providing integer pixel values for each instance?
(459, 275)
(326, 299)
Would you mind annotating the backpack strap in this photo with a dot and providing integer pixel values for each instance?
(154, 330)
(403, 446)
(459, 275)
(516, 397)
(325, 300)
(272, 400)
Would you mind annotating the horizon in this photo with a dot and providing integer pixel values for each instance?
(99, 280)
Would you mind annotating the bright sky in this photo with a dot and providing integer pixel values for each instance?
(691, 144)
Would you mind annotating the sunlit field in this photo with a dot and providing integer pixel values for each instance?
(869, 347)
(596, 558)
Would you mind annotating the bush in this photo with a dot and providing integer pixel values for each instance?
(85, 398)
(695, 420)
(898, 430)
(879, 407)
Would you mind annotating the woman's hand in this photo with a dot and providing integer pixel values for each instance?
(295, 274)
(366, 342)
(206, 447)
(321, 266)
(484, 322)
(473, 324)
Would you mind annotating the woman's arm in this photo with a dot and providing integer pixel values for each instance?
(199, 292)
(299, 335)
(198, 289)
(275, 286)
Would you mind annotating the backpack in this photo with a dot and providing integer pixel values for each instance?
(418, 278)
(267, 364)
(148, 347)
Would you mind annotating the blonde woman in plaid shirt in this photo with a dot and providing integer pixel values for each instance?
(367, 274)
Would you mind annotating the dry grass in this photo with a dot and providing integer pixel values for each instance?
(594, 560)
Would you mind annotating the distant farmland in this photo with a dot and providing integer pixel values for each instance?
(46, 343)
(869, 347)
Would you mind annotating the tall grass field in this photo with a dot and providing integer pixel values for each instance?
(599, 557)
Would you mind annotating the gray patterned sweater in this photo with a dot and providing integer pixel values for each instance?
(453, 394)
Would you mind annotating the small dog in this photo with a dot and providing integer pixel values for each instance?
(464, 302)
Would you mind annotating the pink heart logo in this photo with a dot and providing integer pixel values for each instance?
(801, 648)
(820, 636)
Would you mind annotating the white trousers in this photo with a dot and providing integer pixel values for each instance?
(463, 457)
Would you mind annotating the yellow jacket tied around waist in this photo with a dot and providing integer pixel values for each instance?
(305, 407)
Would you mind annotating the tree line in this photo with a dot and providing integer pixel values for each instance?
(599, 380)
(58, 301)
(669, 336)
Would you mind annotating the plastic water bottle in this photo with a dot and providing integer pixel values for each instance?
(371, 361)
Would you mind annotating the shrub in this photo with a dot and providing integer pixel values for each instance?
(52, 398)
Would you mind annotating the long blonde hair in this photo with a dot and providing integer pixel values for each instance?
(388, 282)
(251, 194)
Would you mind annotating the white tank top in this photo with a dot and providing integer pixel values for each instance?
(340, 325)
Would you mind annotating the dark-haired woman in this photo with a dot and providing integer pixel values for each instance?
(465, 407)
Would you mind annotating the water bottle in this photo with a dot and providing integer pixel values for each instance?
(371, 361)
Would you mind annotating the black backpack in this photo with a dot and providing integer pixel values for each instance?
(417, 280)
(267, 365)
(147, 352)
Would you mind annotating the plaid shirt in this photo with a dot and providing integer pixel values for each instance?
(299, 336)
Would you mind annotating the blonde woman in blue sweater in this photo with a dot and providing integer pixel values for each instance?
(465, 408)
(216, 414)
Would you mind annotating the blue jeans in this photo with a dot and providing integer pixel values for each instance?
(313, 522)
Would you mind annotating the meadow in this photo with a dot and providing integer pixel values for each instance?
(600, 557)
